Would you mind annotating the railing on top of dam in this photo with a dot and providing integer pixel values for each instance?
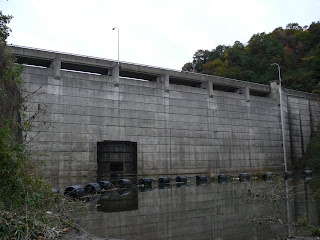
(103, 66)
(124, 62)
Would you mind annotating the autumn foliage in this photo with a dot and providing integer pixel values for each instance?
(296, 49)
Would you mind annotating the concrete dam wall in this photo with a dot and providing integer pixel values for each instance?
(109, 120)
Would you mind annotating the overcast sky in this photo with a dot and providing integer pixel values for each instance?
(163, 33)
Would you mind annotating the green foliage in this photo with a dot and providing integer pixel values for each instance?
(187, 67)
(28, 207)
(4, 29)
(16, 176)
(315, 230)
(295, 48)
(302, 222)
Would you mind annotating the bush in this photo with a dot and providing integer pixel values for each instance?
(28, 207)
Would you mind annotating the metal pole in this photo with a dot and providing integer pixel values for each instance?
(118, 43)
(282, 122)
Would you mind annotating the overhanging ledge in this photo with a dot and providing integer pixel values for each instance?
(44, 58)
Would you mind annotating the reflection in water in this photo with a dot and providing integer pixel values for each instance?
(251, 210)
(120, 201)
(181, 184)
(145, 188)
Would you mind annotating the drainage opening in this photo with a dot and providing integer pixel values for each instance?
(116, 159)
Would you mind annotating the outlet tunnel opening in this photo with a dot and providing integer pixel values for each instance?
(116, 159)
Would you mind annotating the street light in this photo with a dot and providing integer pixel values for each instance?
(118, 42)
(282, 124)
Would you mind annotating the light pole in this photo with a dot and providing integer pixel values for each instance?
(118, 42)
(282, 124)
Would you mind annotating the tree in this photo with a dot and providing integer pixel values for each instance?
(24, 196)
(218, 52)
(314, 31)
(215, 67)
(4, 29)
(188, 67)
(294, 27)
(315, 66)
(257, 44)
(199, 58)
(10, 98)
(235, 54)
(295, 48)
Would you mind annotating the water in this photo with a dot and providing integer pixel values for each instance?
(233, 210)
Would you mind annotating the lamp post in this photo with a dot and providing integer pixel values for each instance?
(118, 42)
(281, 116)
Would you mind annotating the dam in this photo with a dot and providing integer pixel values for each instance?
(104, 119)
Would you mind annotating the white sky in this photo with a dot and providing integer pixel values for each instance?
(162, 33)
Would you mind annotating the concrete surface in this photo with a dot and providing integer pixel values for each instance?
(184, 123)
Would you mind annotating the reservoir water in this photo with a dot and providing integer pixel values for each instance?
(255, 209)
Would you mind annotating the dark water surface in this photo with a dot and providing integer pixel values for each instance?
(233, 210)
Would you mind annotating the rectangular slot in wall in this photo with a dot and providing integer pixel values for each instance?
(138, 75)
(33, 62)
(224, 88)
(89, 69)
(116, 159)
(184, 82)
(259, 94)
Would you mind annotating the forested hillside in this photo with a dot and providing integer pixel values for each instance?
(296, 49)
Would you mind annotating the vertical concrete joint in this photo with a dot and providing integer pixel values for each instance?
(165, 82)
(274, 85)
(209, 86)
(246, 91)
(115, 75)
(56, 66)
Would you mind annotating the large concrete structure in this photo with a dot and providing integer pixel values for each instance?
(172, 122)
